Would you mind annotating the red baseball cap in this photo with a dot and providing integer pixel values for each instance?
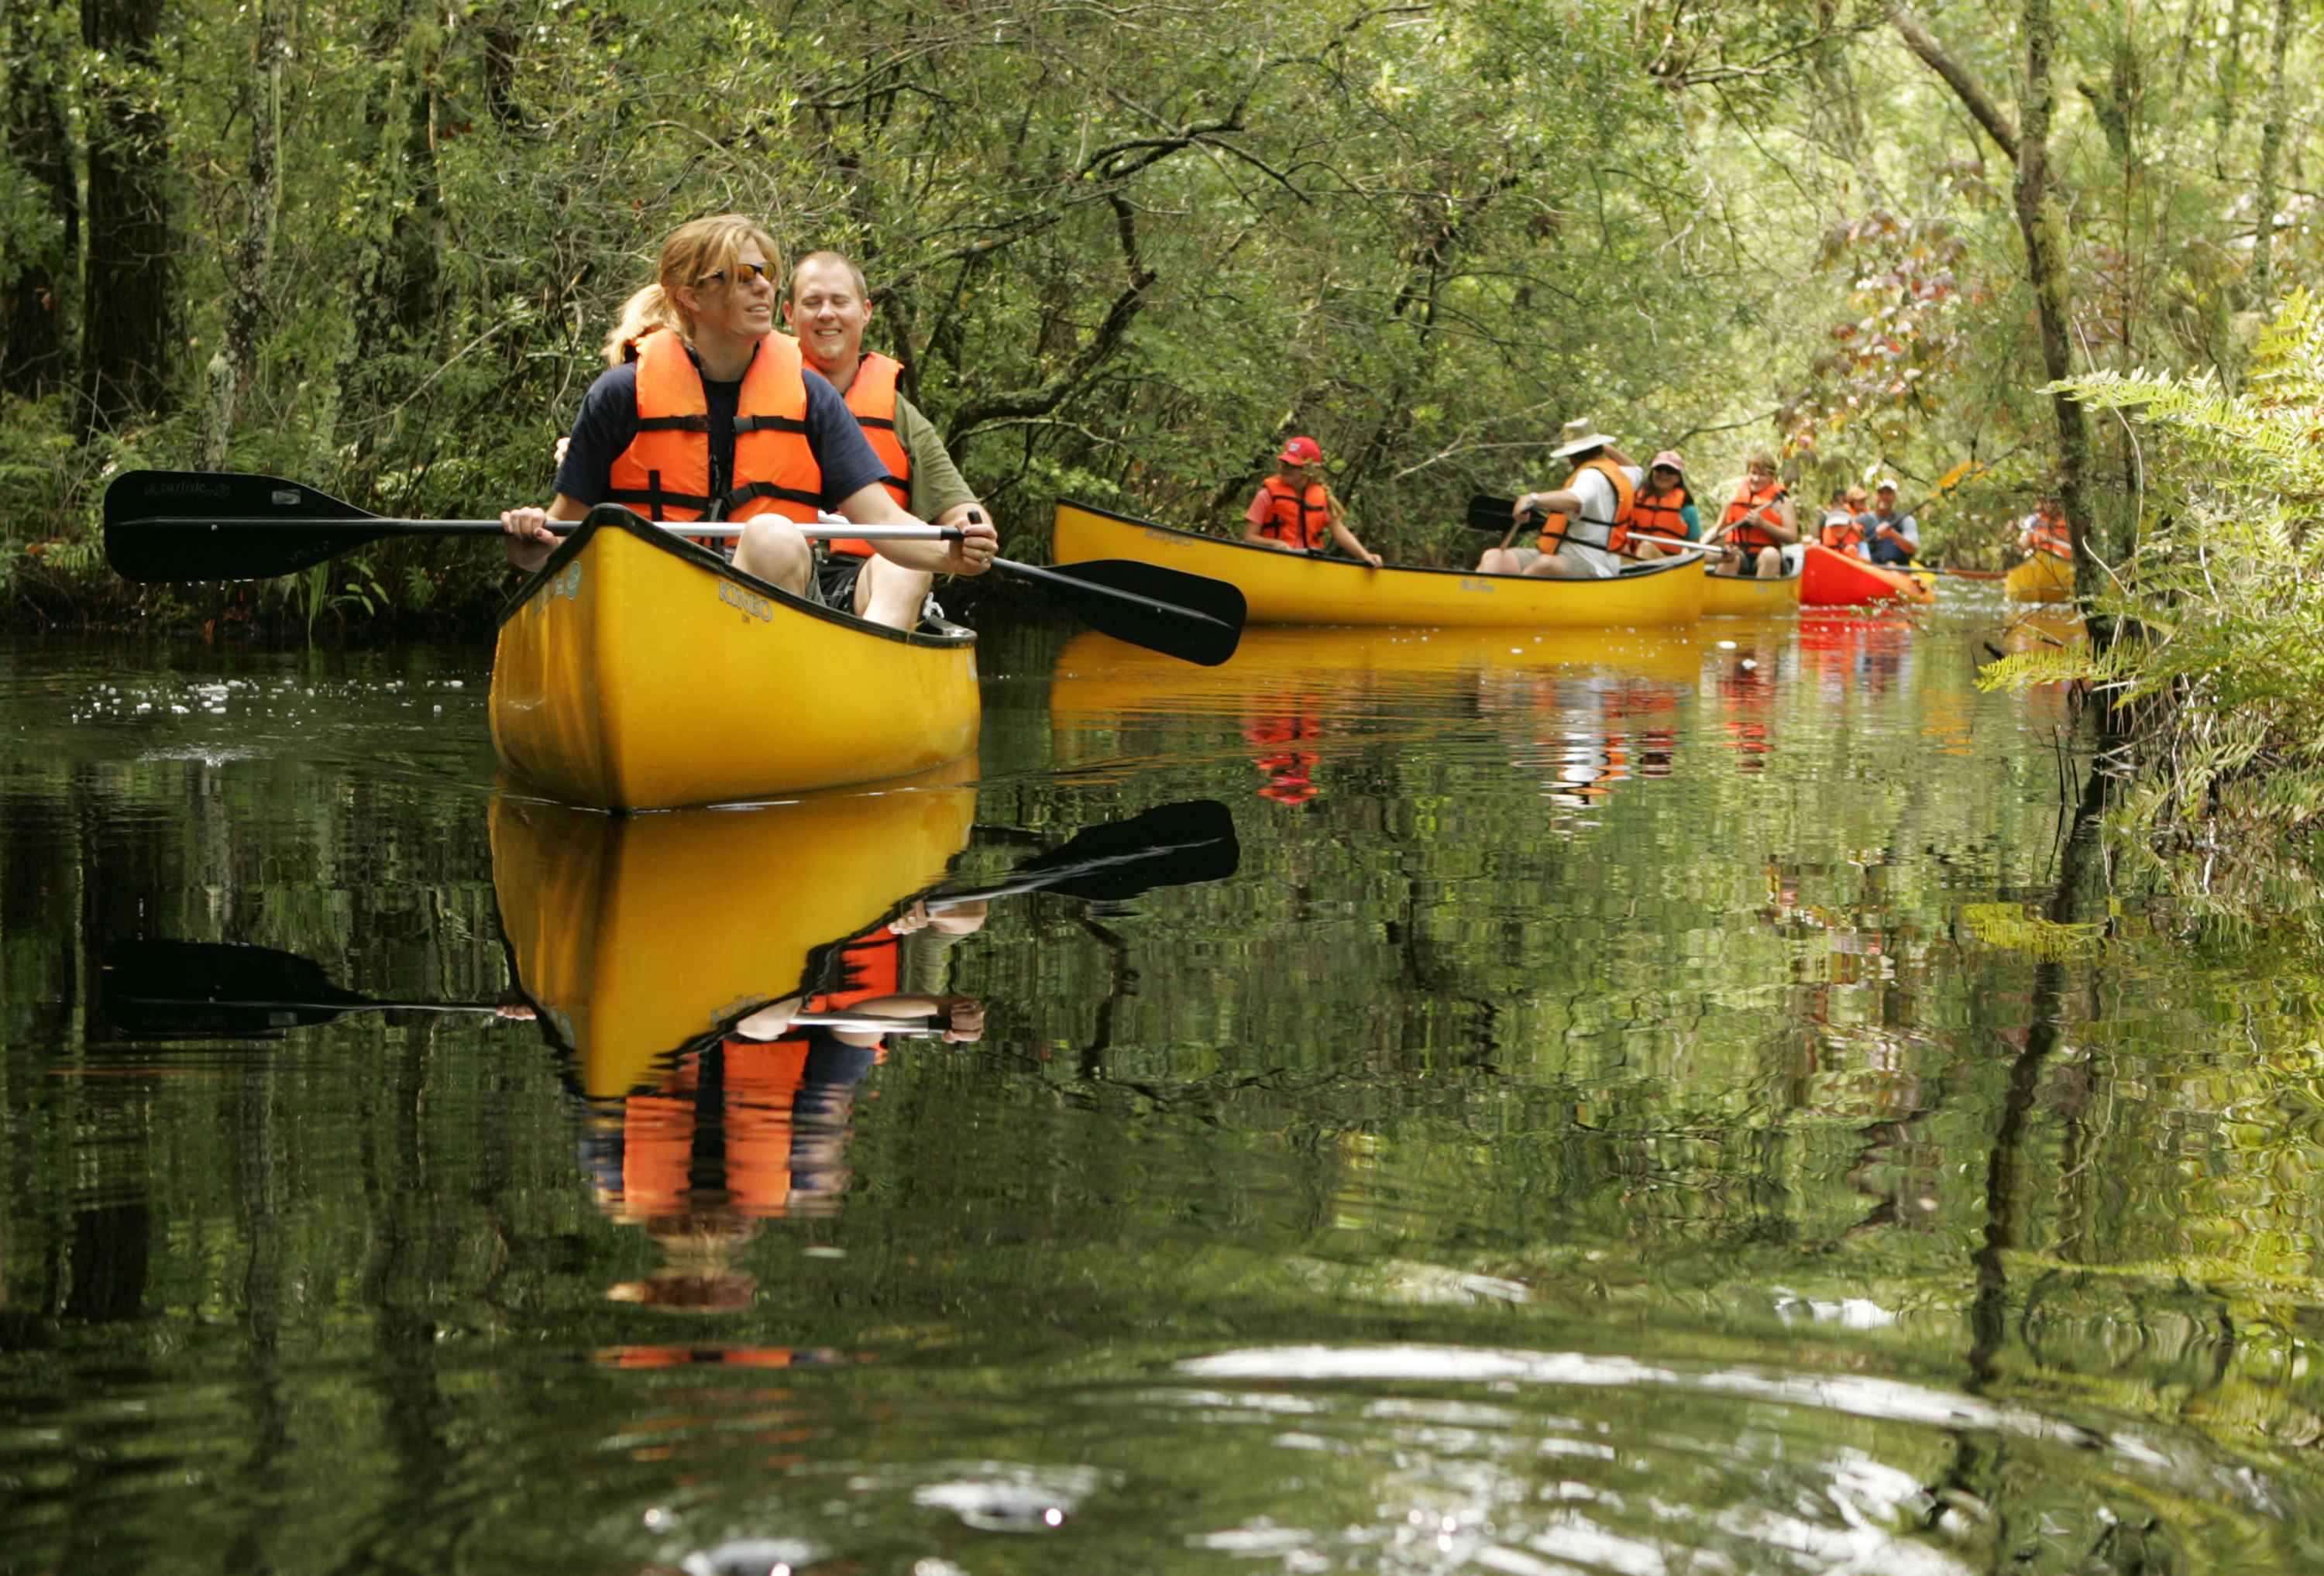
(1301, 451)
(1669, 458)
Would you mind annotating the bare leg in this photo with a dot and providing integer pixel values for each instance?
(1498, 561)
(886, 593)
(772, 548)
(1560, 567)
(1771, 562)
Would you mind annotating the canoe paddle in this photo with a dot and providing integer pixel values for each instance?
(209, 989)
(165, 526)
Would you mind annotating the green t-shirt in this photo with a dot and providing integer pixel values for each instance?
(936, 483)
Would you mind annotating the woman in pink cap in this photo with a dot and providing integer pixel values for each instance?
(1295, 511)
(1664, 507)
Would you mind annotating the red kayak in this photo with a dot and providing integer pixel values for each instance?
(1830, 579)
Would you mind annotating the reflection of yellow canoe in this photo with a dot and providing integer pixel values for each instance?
(638, 672)
(1097, 677)
(2043, 577)
(635, 934)
(1292, 588)
(1746, 596)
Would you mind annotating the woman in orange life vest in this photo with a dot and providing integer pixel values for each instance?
(1664, 507)
(1591, 525)
(1759, 524)
(2046, 531)
(827, 307)
(1295, 512)
(1843, 529)
(718, 416)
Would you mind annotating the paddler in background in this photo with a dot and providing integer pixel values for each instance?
(1590, 522)
(713, 415)
(1664, 507)
(2046, 531)
(827, 308)
(1296, 512)
(1843, 531)
(1896, 538)
(1759, 523)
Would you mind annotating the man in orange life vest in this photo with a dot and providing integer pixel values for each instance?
(1295, 512)
(828, 308)
(2046, 531)
(1589, 516)
(716, 415)
(1759, 523)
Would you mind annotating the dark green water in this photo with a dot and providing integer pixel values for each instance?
(1632, 1109)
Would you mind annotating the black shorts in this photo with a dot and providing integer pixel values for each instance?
(835, 574)
(1747, 567)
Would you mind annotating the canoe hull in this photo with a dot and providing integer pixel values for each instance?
(638, 672)
(1830, 579)
(1747, 597)
(1287, 588)
(2044, 578)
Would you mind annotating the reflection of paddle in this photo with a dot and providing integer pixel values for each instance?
(225, 525)
(202, 989)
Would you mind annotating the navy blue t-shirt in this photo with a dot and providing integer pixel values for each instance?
(608, 424)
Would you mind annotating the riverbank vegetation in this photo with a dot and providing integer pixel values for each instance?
(1125, 250)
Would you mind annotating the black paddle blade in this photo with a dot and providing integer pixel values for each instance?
(168, 526)
(1169, 845)
(1190, 617)
(1494, 514)
(209, 990)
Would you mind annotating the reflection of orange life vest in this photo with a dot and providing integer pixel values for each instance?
(870, 967)
(1842, 534)
(1302, 519)
(760, 1085)
(1562, 529)
(1748, 502)
(1657, 513)
(872, 397)
(2051, 535)
(665, 473)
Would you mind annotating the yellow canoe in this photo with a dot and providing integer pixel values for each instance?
(636, 936)
(1747, 597)
(1293, 588)
(2043, 577)
(639, 672)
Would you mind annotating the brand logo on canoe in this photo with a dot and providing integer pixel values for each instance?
(567, 584)
(187, 487)
(749, 601)
(1477, 582)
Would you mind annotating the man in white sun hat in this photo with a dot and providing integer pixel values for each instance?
(1588, 520)
(1891, 538)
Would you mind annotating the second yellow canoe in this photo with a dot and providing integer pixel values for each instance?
(2043, 577)
(1295, 588)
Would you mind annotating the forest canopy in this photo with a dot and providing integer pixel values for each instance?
(1124, 250)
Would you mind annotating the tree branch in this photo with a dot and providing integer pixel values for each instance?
(1924, 44)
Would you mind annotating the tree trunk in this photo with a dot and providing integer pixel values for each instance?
(132, 250)
(236, 360)
(2271, 164)
(39, 278)
(2040, 220)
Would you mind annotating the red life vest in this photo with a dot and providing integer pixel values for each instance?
(1560, 530)
(1302, 519)
(2051, 535)
(1748, 502)
(872, 397)
(1657, 513)
(1841, 535)
(665, 473)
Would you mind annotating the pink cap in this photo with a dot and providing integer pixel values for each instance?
(1669, 457)
(1301, 451)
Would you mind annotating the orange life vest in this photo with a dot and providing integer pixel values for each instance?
(1302, 519)
(1844, 535)
(870, 967)
(1748, 502)
(1560, 530)
(665, 473)
(872, 397)
(2051, 535)
(760, 1084)
(1657, 513)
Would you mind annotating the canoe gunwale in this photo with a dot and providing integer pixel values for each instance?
(1630, 573)
(944, 634)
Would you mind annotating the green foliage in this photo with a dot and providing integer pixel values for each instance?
(2216, 675)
